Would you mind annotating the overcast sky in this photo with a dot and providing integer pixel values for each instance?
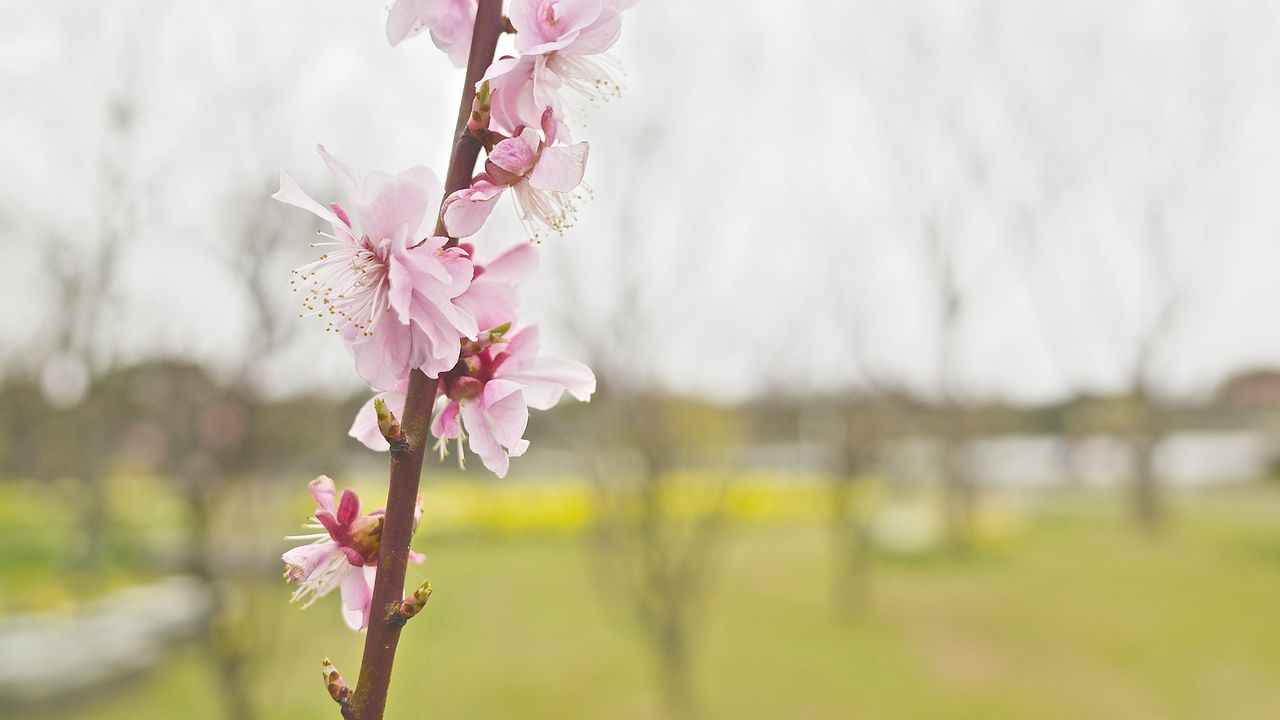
(781, 194)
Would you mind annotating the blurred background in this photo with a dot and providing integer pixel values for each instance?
(937, 342)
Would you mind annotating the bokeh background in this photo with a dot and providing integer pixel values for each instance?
(937, 344)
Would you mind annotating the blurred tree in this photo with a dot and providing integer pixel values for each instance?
(656, 564)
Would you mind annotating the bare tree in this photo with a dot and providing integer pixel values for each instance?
(657, 567)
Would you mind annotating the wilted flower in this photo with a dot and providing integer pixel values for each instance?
(450, 23)
(345, 555)
(386, 261)
(542, 175)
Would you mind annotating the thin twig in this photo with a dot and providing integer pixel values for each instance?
(370, 698)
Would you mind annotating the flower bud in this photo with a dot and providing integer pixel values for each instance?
(366, 537)
(404, 610)
(333, 682)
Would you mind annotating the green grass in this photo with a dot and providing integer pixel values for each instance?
(1075, 617)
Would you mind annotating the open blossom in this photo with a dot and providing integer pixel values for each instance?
(491, 298)
(450, 23)
(560, 44)
(344, 555)
(384, 283)
(485, 400)
(488, 396)
(542, 175)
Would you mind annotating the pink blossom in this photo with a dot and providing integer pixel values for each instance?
(385, 284)
(542, 175)
(560, 44)
(491, 298)
(344, 555)
(450, 23)
(488, 396)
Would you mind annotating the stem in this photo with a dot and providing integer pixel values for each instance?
(370, 698)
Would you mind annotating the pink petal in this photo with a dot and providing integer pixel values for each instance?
(445, 424)
(456, 41)
(464, 216)
(597, 38)
(383, 359)
(400, 286)
(428, 182)
(548, 378)
(514, 103)
(497, 389)
(323, 490)
(402, 21)
(513, 266)
(560, 168)
(426, 259)
(330, 523)
(290, 194)
(348, 507)
(507, 414)
(346, 179)
(303, 561)
(516, 154)
(357, 596)
(391, 203)
(481, 441)
(521, 350)
(490, 303)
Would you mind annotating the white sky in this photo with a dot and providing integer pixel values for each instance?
(770, 192)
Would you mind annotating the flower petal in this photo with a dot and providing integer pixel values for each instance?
(599, 37)
(291, 194)
(548, 378)
(516, 154)
(357, 596)
(560, 168)
(465, 212)
(445, 424)
(323, 490)
(482, 443)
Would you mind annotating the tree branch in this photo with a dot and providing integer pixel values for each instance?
(370, 698)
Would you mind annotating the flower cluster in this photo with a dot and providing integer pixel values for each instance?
(406, 297)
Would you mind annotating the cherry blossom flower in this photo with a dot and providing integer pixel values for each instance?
(488, 396)
(344, 555)
(542, 175)
(560, 44)
(384, 283)
(450, 23)
(491, 298)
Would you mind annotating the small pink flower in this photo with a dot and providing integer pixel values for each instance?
(386, 285)
(560, 44)
(542, 175)
(488, 396)
(450, 23)
(345, 555)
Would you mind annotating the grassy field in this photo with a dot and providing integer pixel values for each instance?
(1073, 617)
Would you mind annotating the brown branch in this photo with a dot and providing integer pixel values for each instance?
(370, 698)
